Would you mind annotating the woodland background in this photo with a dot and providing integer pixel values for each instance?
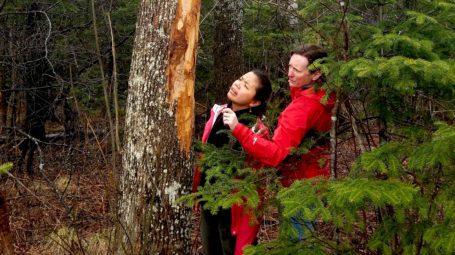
(64, 68)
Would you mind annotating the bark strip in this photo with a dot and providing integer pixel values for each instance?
(181, 68)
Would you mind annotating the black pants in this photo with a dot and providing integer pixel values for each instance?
(216, 233)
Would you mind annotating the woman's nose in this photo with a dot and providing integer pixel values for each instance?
(290, 73)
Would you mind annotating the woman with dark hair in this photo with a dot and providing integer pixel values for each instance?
(229, 230)
(307, 116)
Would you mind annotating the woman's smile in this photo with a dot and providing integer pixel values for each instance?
(233, 91)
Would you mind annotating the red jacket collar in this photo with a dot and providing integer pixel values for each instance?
(311, 92)
(307, 90)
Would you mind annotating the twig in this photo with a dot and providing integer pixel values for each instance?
(114, 76)
(333, 141)
(28, 190)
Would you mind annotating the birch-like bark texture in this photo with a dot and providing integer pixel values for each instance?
(157, 161)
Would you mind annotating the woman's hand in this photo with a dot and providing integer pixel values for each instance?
(229, 118)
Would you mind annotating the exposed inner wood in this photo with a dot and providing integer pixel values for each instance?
(181, 68)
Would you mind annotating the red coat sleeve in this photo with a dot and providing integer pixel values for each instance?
(294, 122)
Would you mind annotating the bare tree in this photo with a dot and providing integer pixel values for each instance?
(157, 161)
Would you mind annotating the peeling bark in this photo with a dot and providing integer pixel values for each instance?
(157, 160)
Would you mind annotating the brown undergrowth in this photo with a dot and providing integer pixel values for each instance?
(62, 209)
(65, 208)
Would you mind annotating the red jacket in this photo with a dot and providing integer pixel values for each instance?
(304, 113)
(242, 225)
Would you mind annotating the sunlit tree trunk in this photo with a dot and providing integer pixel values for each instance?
(157, 160)
(228, 46)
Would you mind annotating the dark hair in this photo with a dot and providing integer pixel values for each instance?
(312, 52)
(263, 91)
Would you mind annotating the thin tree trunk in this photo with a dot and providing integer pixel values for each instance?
(11, 113)
(104, 84)
(359, 138)
(157, 161)
(344, 8)
(333, 141)
(115, 81)
(112, 174)
(3, 101)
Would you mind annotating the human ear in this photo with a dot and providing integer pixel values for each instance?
(255, 103)
(316, 75)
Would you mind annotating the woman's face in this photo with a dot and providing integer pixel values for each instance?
(298, 73)
(243, 90)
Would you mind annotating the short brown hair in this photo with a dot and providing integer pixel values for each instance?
(311, 51)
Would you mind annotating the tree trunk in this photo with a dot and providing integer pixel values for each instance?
(6, 238)
(293, 8)
(3, 100)
(3, 75)
(333, 141)
(157, 160)
(11, 110)
(37, 80)
(228, 46)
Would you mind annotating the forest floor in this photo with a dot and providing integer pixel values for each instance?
(65, 208)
